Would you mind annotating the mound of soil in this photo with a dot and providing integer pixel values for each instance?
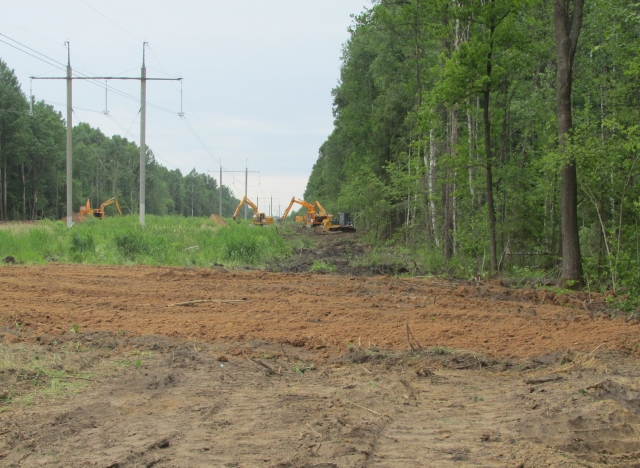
(218, 220)
(76, 217)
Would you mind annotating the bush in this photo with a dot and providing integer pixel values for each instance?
(81, 243)
(131, 243)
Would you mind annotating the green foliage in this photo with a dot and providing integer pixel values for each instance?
(32, 160)
(169, 240)
(131, 243)
(78, 242)
(322, 266)
(407, 154)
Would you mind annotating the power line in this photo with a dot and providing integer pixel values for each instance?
(190, 108)
(133, 137)
(75, 107)
(112, 22)
(195, 134)
(30, 32)
(83, 75)
(34, 56)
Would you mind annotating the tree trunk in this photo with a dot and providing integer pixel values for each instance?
(490, 207)
(4, 189)
(432, 184)
(567, 34)
(1, 197)
(454, 200)
(471, 155)
(488, 156)
(24, 194)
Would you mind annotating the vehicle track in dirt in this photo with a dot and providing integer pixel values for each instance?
(256, 403)
(309, 370)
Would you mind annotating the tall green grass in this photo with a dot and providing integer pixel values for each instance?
(165, 240)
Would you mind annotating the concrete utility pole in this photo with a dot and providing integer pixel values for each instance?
(271, 207)
(143, 121)
(246, 178)
(246, 184)
(69, 139)
(143, 128)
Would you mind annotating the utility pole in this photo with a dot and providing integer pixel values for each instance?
(246, 178)
(246, 184)
(143, 128)
(271, 207)
(143, 114)
(69, 139)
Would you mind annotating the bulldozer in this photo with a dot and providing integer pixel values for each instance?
(313, 218)
(342, 224)
(86, 210)
(259, 219)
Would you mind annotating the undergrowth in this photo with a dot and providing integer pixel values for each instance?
(173, 241)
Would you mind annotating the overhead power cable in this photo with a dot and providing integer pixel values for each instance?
(62, 66)
(112, 22)
(34, 56)
(197, 137)
(137, 140)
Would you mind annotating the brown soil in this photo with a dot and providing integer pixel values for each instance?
(75, 217)
(307, 370)
(322, 312)
(218, 220)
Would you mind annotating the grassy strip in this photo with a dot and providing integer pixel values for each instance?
(173, 241)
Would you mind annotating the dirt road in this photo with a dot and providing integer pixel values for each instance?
(100, 367)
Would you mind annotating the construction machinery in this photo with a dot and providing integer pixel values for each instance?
(342, 223)
(86, 210)
(313, 218)
(259, 219)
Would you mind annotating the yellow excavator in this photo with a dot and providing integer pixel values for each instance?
(259, 219)
(86, 209)
(312, 218)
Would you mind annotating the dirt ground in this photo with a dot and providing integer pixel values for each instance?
(155, 366)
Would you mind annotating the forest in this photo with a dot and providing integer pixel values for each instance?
(33, 167)
(492, 136)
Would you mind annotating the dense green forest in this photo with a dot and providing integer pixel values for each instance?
(492, 135)
(33, 162)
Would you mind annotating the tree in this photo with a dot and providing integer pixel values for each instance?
(13, 110)
(567, 31)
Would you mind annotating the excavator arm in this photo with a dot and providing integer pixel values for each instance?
(242, 202)
(322, 211)
(286, 212)
(109, 202)
(294, 200)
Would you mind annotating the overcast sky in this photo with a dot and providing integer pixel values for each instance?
(257, 76)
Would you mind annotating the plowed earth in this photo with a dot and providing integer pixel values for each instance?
(321, 312)
(175, 367)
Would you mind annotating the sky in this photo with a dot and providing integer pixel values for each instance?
(257, 78)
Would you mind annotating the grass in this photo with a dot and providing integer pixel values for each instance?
(28, 375)
(321, 265)
(172, 241)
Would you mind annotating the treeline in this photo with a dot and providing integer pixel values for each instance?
(33, 167)
(452, 135)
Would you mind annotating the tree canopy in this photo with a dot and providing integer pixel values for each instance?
(446, 135)
(33, 177)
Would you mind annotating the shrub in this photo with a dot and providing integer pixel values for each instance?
(80, 243)
(131, 243)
